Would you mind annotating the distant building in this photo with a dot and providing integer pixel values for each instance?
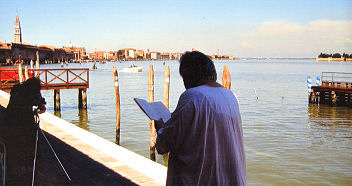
(155, 56)
(140, 54)
(100, 55)
(175, 56)
(147, 55)
(112, 55)
(18, 33)
(165, 56)
(232, 57)
(25, 50)
(51, 53)
(5, 53)
(130, 53)
(78, 52)
(10, 52)
(92, 56)
(46, 53)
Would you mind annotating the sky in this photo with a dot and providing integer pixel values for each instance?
(251, 28)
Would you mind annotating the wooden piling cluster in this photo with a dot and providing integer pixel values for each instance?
(226, 83)
(333, 91)
(334, 96)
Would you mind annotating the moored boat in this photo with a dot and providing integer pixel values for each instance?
(133, 68)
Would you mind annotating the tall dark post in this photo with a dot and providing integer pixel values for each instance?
(117, 103)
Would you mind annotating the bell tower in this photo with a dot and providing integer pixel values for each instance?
(18, 34)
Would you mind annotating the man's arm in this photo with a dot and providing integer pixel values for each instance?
(170, 136)
(40, 102)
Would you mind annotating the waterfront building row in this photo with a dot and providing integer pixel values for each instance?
(136, 54)
(133, 54)
(10, 53)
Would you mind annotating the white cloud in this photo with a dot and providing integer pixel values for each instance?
(348, 40)
(315, 27)
(278, 27)
(246, 44)
(277, 38)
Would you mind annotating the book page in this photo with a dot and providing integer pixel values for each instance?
(155, 110)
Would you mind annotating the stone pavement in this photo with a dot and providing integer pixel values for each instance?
(91, 160)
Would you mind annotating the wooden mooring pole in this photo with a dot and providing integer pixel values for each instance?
(26, 73)
(82, 98)
(151, 122)
(166, 101)
(20, 72)
(117, 103)
(57, 100)
(37, 66)
(167, 86)
(32, 64)
(226, 78)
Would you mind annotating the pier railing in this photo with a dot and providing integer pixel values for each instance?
(336, 89)
(63, 78)
(50, 78)
(336, 79)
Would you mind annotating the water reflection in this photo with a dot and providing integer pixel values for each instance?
(330, 126)
(287, 142)
(327, 115)
(57, 113)
(83, 119)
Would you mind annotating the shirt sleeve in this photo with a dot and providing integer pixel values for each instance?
(171, 137)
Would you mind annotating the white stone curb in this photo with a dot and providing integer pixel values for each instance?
(135, 161)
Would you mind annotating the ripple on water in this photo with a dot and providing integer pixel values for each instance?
(287, 141)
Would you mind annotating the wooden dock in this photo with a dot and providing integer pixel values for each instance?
(51, 79)
(118, 160)
(335, 89)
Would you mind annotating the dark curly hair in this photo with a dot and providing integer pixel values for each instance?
(196, 68)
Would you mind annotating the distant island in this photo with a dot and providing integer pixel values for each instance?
(334, 57)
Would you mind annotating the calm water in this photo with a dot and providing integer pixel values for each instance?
(287, 141)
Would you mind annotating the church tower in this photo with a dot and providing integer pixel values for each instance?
(18, 34)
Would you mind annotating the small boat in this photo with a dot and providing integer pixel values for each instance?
(132, 68)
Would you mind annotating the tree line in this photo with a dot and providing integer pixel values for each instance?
(336, 55)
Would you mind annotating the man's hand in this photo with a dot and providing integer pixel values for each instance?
(42, 109)
(158, 124)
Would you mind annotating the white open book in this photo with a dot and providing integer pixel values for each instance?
(155, 110)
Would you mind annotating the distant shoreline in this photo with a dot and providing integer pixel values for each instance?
(273, 58)
(333, 59)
